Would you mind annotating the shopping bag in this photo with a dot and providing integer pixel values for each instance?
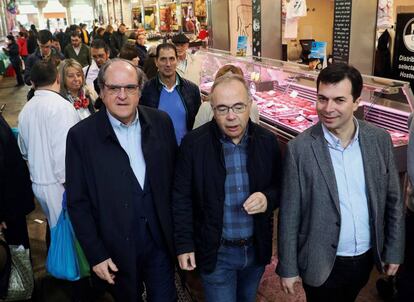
(83, 264)
(62, 262)
(84, 268)
(21, 282)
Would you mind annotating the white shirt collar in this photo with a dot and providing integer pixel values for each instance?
(334, 141)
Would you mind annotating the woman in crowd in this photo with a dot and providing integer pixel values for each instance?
(205, 112)
(73, 87)
(12, 50)
(99, 35)
(130, 53)
(108, 34)
(22, 42)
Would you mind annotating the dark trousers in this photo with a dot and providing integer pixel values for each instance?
(155, 272)
(405, 277)
(18, 70)
(349, 275)
(16, 232)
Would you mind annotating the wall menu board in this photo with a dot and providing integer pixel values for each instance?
(257, 28)
(341, 30)
(403, 64)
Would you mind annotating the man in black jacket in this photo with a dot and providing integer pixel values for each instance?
(119, 172)
(16, 195)
(171, 93)
(45, 51)
(225, 190)
(118, 40)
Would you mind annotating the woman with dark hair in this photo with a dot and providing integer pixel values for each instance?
(99, 35)
(130, 53)
(108, 34)
(12, 51)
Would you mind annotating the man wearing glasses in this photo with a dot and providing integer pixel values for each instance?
(119, 168)
(225, 191)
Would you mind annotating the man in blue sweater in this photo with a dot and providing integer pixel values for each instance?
(171, 93)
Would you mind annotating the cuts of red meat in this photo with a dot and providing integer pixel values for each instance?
(293, 112)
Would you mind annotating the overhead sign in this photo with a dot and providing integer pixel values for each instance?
(341, 30)
(404, 48)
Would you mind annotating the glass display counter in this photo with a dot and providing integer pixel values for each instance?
(285, 94)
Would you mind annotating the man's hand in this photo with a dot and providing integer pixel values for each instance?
(288, 284)
(187, 261)
(391, 269)
(105, 270)
(256, 203)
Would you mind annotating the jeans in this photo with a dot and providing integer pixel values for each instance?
(236, 276)
(349, 275)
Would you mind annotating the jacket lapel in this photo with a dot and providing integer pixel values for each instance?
(149, 145)
(323, 158)
(369, 157)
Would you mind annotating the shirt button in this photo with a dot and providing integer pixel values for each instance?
(239, 188)
(126, 238)
(126, 205)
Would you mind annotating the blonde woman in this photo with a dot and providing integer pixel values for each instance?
(74, 88)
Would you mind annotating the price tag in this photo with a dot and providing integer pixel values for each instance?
(293, 94)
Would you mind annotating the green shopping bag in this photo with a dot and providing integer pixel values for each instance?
(83, 264)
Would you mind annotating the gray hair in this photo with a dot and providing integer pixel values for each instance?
(102, 71)
(229, 78)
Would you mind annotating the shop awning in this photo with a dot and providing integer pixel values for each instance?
(54, 15)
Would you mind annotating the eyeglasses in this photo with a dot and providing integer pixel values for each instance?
(236, 108)
(116, 89)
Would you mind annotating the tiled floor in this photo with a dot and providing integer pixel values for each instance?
(49, 289)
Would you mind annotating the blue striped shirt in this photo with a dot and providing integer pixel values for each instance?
(237, 224)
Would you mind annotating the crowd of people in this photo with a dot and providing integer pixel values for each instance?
(155, 181)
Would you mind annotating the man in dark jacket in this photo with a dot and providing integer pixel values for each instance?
(142, 49)
(171, 93)
(12, 51)
(118, 39)
(119, 172)
(77, 50)
(225, 191)
(44, 51)
(16, 196)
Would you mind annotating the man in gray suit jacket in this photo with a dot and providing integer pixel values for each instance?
(341, 208)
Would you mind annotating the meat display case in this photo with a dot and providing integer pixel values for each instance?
(285, 94)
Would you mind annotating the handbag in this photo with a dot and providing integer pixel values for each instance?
(21, 281)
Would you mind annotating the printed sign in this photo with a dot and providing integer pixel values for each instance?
(404, 48)
(241, 46)
(341, 30)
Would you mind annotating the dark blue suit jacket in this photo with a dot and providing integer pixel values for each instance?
(100, 188)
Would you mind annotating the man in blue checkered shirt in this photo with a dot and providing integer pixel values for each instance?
(225, 191)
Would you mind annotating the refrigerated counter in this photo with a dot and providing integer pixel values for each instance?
(285, 94)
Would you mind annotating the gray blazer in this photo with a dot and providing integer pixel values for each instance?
(309, 217)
